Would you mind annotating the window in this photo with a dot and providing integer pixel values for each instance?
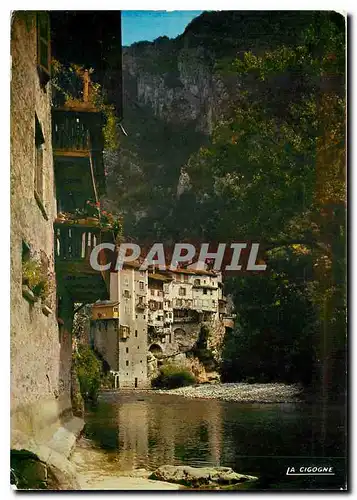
(141, 285)
(138, 347)
(115, 309)
(204, 291)
(197, 282)
(142, 273)
(136, 333)
(126, 294)
(127, 363)
(43, 47)
(182, 291)
(144, 316)
(214, 303)
(152, 292)
(39, 144)
(127, 350)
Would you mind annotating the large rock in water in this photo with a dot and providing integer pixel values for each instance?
(199, 476)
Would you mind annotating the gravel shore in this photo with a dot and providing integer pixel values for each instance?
(240, 392)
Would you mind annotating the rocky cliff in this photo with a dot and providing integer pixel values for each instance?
(174, 93)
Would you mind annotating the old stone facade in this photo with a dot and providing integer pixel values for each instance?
(161, 314)
(40, 352)
(56, 159)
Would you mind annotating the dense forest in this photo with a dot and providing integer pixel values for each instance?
(236, 131)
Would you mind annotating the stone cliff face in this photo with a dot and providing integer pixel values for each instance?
(174, 93)
(189, 93)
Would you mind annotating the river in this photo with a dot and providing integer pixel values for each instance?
(130, 430)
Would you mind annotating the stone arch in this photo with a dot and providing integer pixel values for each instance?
(156, 350)
(179, 332)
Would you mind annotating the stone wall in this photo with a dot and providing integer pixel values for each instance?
(105, 335)
(40, 355)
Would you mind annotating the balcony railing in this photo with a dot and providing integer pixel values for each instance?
(70, 133)
(73, 247)
(75, 243)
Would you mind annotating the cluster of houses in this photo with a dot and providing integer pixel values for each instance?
(155, 313)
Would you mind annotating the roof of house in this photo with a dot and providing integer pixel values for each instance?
(105, 303)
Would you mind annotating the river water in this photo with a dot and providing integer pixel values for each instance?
(137, 429)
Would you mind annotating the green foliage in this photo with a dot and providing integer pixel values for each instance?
(201, 352)
(172, 376)
(89, 372)
(68, 86)
(34, 276)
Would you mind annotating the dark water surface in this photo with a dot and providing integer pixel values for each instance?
(146, 430)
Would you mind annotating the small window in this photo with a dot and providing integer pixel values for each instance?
(141, 285)
(39, 144)
(43, 46)
(182, 291)
(127, 363)
(115, 309)
(144, 316)
(204, 291)
(197, 282)
(136, 333)
(138, 347)
(126, 294)
(127, 350)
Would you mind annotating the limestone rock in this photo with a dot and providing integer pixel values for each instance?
(199, 476)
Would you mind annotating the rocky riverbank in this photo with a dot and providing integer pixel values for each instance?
(240, 392)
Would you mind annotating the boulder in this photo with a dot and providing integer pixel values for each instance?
(199, 476)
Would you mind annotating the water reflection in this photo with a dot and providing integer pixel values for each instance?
(147, 430)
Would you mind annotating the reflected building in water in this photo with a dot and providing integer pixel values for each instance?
(152, 435)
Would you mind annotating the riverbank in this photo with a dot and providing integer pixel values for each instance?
(240, 392)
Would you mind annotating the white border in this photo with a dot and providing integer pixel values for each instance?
(342, 6)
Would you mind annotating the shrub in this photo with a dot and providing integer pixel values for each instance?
(172, 376)
(89, 371)
(34, 276)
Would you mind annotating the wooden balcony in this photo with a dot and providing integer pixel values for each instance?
(74, 243)
(78, 143)
(76, 132)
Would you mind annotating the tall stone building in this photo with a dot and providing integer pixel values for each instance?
(119, 327)
(56, 165)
